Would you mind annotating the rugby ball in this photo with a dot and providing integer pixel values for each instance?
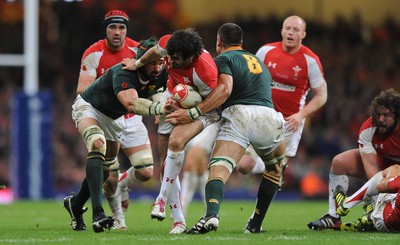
(186, 95)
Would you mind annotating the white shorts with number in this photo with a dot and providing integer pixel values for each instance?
(166, 128)
(260, 126)
(82, 109)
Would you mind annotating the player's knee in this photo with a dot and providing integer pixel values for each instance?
(176, 143)
(142, 161)
(245, 164)
(338, 165)
(94, 139)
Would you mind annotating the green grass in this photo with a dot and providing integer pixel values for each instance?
(27, 222)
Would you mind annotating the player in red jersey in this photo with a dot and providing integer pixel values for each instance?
(96, 60)
(382, 215)
(379, 144)
(295, 70)
(187, 62)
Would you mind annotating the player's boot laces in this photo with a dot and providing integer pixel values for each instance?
(158, 211)
(340, 198)
(178, 228)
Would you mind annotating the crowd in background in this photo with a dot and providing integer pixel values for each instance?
(358, 61)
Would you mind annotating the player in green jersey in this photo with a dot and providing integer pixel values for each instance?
(94, 111)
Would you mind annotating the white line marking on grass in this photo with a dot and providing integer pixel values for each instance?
(33, 240)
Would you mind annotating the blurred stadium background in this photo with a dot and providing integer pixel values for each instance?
(358, 42)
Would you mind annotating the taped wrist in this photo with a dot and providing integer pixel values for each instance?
(139, 63)
(194, 113)
(146, 107)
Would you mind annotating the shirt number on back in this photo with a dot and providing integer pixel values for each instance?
(253, 64)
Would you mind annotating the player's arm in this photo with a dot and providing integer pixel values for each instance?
(218, 95)
(370, 164)
(154, 53)
(214, 100)
(317, 101)
(151, 55)
(130, 100)
(84, 81)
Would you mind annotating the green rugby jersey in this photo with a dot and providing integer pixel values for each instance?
(251, 78)
(102, 94)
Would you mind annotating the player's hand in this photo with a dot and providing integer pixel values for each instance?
(171, 105)
(128, 64)
(178, 117)
(293, 122)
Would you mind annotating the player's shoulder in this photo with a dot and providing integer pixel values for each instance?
(266, 48)
(274, 45)
(205, 61)
(98, 46)
(306, 50)
(367, 124)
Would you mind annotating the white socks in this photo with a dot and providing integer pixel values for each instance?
(335, 180)
(173, 165)
(175, 204)
(259, 167)
(367, 190)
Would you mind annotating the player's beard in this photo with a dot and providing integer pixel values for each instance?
(385, 130)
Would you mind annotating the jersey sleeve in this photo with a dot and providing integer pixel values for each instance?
(90, 62)
(205, 75)
(262, 52)
(315, 73)
(365, 138)
(222, 65)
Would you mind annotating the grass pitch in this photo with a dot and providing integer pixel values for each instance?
(47, 222)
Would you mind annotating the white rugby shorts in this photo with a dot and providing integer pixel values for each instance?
(260, 126)
(134, 131)
(82, 109)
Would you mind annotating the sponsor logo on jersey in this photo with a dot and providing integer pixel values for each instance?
(283, 87)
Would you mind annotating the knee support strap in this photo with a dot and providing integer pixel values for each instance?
(111, 164)
(142, 159)
(227, 162)
(90, 135)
